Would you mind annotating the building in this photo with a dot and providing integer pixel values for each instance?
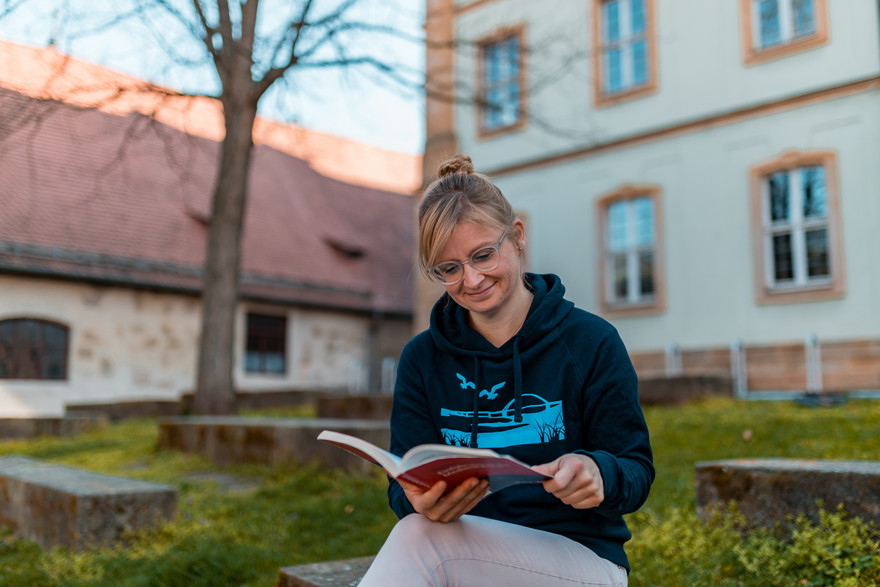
(702, 174)
(105, 192)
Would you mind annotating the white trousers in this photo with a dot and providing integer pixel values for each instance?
(479, 552)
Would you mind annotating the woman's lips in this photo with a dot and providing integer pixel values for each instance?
(482, 293)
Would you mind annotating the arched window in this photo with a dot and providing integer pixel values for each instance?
(32, 349)
(797, 244)
(777, 28)
(631, 232)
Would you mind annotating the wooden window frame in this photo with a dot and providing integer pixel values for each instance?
(602, 99)
(835, 287)
(265, 341)
(754, 55)
(14, 349)
(498, 36)
(657, 304)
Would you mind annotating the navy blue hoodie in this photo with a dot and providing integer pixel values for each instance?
(564, 383)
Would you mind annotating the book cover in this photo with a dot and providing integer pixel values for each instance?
(427, 464)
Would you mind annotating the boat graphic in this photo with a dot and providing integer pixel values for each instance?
(541, 422)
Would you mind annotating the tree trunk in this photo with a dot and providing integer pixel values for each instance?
(215, 391)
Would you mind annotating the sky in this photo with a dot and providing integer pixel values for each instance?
(355, 104)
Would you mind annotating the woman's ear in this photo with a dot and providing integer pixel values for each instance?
(519, 234)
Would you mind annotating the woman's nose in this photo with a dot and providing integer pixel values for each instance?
(471, 275)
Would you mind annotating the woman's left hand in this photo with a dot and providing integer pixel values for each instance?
(576, 480)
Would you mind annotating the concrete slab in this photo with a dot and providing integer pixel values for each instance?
(341, 573)
(272, 441)
(769, 490)
(55, 505)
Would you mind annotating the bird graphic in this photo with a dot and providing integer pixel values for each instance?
(492, 394)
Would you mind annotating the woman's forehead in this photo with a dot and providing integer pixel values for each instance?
(466, 238)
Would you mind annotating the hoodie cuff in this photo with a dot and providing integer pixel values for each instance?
(398, 501)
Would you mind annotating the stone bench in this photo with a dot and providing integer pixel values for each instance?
(271, 441)
(358, 407)
(64, 426)
(342, 573)
(55, 505)
(769, 491)
(682, 389)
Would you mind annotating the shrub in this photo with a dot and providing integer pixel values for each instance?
(676, 548)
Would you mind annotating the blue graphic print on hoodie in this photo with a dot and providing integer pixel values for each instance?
(564, 383)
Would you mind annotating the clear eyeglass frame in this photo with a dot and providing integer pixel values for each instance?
(483, 259)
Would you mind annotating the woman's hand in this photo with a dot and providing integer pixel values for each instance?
(439, 506)
(576, 480)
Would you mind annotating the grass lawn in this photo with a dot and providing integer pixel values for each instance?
(238, 525)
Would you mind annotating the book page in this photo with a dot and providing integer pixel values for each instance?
(366, 450)
(428, 452)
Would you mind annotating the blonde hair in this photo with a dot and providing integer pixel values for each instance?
(458, 195)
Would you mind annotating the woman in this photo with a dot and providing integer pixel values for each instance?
(509, 364)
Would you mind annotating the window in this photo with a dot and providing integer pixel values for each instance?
(623, 48)
(501, 82)
(794, 207)
(631, 252)
(265, 349)
(32, 349)
(774, 28)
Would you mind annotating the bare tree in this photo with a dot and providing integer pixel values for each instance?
(252, 45)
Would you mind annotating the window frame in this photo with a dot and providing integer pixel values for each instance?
(263, 351)
(41, 348)
(602, 98)
(499, 36)
(749, 24)
(657, 304)
(803, 290)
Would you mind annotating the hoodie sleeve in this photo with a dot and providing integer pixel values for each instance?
(411, 424)
(616, 435)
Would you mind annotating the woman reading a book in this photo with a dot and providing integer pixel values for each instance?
(509, 364)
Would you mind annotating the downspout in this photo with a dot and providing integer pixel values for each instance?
(374, 361)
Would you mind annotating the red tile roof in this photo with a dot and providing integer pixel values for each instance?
(45, 74)
(87, 194)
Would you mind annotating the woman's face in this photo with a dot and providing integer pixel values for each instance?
(484, 293)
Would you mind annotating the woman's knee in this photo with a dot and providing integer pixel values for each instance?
(413, 529)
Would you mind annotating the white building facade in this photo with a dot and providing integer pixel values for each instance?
(702, 174)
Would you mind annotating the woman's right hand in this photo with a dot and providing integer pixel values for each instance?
(439, 506)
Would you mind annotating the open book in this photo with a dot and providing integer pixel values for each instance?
(426, 464)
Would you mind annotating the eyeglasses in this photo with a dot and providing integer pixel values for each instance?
(484, 259)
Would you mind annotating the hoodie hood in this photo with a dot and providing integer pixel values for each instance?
(452, 333)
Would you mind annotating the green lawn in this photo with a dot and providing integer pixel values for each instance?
(238, 525)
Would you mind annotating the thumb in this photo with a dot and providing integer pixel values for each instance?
(547, 468)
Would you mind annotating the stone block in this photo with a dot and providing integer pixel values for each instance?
(271, 441)
(682, 389)
(34, 427)
(55, 505)
(772, 490)
(341, 573)
(358, 407)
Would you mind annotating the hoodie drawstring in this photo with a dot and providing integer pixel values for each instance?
(517, 382)
(476, 421)
(517, 392)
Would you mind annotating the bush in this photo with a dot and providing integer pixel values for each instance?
(676, 548)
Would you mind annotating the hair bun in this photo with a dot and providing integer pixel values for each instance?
(461, 164)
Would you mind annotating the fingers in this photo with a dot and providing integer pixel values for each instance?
(420, 498)
(460, 500)
(576, 481)
(440, 506)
